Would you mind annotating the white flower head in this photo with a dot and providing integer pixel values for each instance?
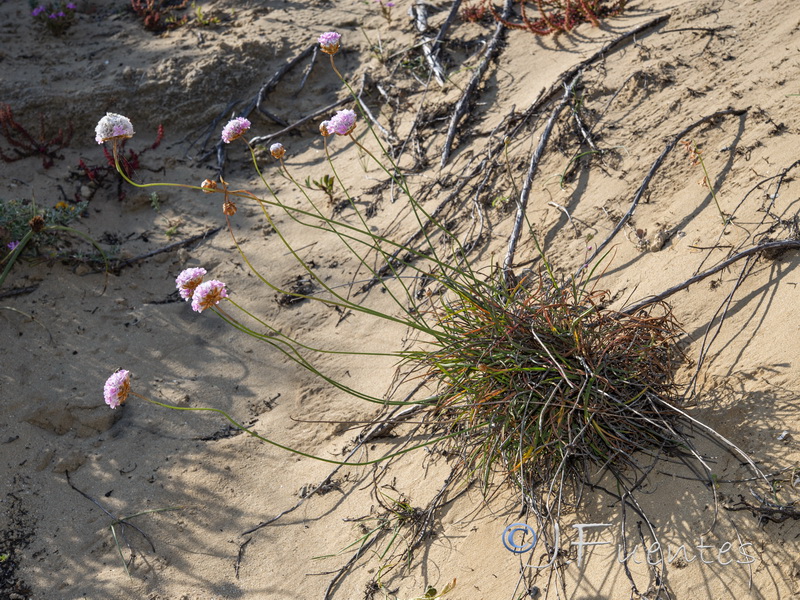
(113, 126)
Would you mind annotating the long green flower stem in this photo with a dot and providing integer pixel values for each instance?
(376, 240)
(276, 333)
(331, 228)
(244, 194)
(287, 448)
(341, 302)
(115, 152)
(294, 355)
(394, 174)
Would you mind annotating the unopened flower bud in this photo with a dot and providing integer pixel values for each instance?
(37, 223)
(228, 208)
(323, 128)
(208, 186)
(277, 150)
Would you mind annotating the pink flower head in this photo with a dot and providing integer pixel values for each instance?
(117, 388)
(38, 10)
(342, 123)
(277, 150)
(235, 129)
(113, 127)
(208, 294)
(188, 280)
(329, 42)
(13, 245)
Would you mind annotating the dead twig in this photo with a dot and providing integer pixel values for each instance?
(462, 106)
(766, 247)
(309, 68)
(522, 202)
(720, 315)
(168, 248)
(343, 571)
(240, 556)
(19, 291)
(613, 45)
(264, 139)
(766, 510)
(420, 12)
(273, 82)
(390, 137)
(445, 26)
(650, 174)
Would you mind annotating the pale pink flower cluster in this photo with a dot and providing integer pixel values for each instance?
(235, 129)
(329, 42)
(188, 280)
(113, 126)
(207, 294)
(342, 123)
(203, 294)
(117, 388)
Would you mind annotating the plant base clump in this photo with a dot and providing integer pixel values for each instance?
(546, 384)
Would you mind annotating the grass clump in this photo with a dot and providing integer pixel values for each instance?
(544, 381)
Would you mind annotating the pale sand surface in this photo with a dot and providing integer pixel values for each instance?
(142, 458)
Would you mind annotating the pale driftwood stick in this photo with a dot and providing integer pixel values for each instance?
(522, 201)
(390, 137)
(445, 26)
(272, 83)
(646, 182)
(612, 45)
(310, 66)
(462, 106)
(546, 96)
(266, 138)
(773, 246)
(420, 10)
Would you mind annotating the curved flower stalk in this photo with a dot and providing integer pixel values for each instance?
(208, 295)
(117, 389)
(424, 219)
